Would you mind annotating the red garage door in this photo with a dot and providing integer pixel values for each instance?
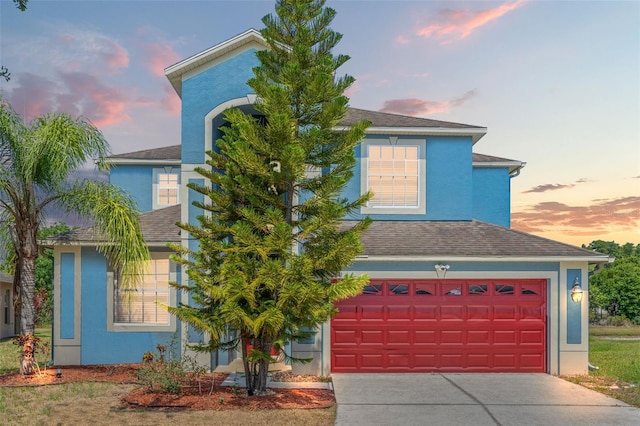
(442, 325)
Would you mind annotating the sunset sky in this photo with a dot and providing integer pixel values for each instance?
(557, 84)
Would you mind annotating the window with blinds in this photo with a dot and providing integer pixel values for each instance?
(393, 176)
(141, 305)
(167, 189)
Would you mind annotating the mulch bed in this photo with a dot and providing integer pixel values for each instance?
(208, 395)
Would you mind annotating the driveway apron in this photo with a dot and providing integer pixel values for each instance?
(473, 399)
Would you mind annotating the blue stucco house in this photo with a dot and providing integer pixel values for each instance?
(453, 288)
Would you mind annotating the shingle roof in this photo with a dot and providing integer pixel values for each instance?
(461, 239)
(173, 152)
(483, 158)
(383, 119)
(158, 228)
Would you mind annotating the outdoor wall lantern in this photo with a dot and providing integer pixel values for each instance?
(576, 291)
(441, 268)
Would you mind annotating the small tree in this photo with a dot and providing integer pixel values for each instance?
(617, 288)
(271, 244)
(38, 168)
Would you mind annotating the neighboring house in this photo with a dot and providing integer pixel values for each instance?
(452, 287)
(7, 320)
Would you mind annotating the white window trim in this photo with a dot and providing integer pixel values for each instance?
(136, 327)
(156, 186)
(422, 170)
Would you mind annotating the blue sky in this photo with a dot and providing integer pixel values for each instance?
(557, 83)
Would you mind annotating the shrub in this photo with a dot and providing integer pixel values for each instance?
(166, 372)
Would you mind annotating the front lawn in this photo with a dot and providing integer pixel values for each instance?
(617, 357)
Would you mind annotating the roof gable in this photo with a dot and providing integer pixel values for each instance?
(217, 53)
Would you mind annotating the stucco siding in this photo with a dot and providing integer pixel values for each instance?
(491, 195)
(137, 180)
(203, 91)
(100, 346)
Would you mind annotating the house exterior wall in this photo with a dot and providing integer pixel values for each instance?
(448, 180)
(6, 307)
(137, 180)
(203, 89)
(81, 312)
(491, 200)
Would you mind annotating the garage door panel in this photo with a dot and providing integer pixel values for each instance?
(531, 337)
(478, 312)
(375, 337)
(399, 312)
(452, 313)
(371, 312)
(533, 361)
(343, 336)
(372, 360)
(505, 313)
(399, 337)
(455, 326)
(481, 337)
(424, 312)
(425, 337)
(507, 361)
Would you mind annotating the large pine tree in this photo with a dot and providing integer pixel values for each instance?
(271, 243)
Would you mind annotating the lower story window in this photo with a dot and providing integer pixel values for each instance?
(142, 305)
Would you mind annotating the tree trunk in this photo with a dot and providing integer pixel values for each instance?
(27, 314)
(245, 363)
(27, 296)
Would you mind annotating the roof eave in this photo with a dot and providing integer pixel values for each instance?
(475, 132)
(512, 165)
(140, 161)
(596, 259)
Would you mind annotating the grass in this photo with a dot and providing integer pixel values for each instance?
(98, 403)
(622, 331)
(618, 375)
(77, 403)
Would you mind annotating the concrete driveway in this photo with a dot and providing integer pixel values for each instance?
(473, 399)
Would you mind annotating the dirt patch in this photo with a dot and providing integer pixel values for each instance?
(207, 394)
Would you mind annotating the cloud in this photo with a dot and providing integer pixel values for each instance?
(456, 24)
(157, 56)
(421, 107)
(76, 93)
(171, 101)
(400, 39)
(547, 187)
(555, 186)
(93, 51)
(600, 218)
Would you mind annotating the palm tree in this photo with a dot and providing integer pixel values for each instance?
(39, 165)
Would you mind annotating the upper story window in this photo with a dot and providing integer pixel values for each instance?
(166, 187)
(395, 174)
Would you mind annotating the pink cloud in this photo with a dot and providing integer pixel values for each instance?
(171, 101)
(421, 107)
(604, 216)
(460, 23)
(101, 54)
(400, 39)
(158, 56)
(75, 93)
